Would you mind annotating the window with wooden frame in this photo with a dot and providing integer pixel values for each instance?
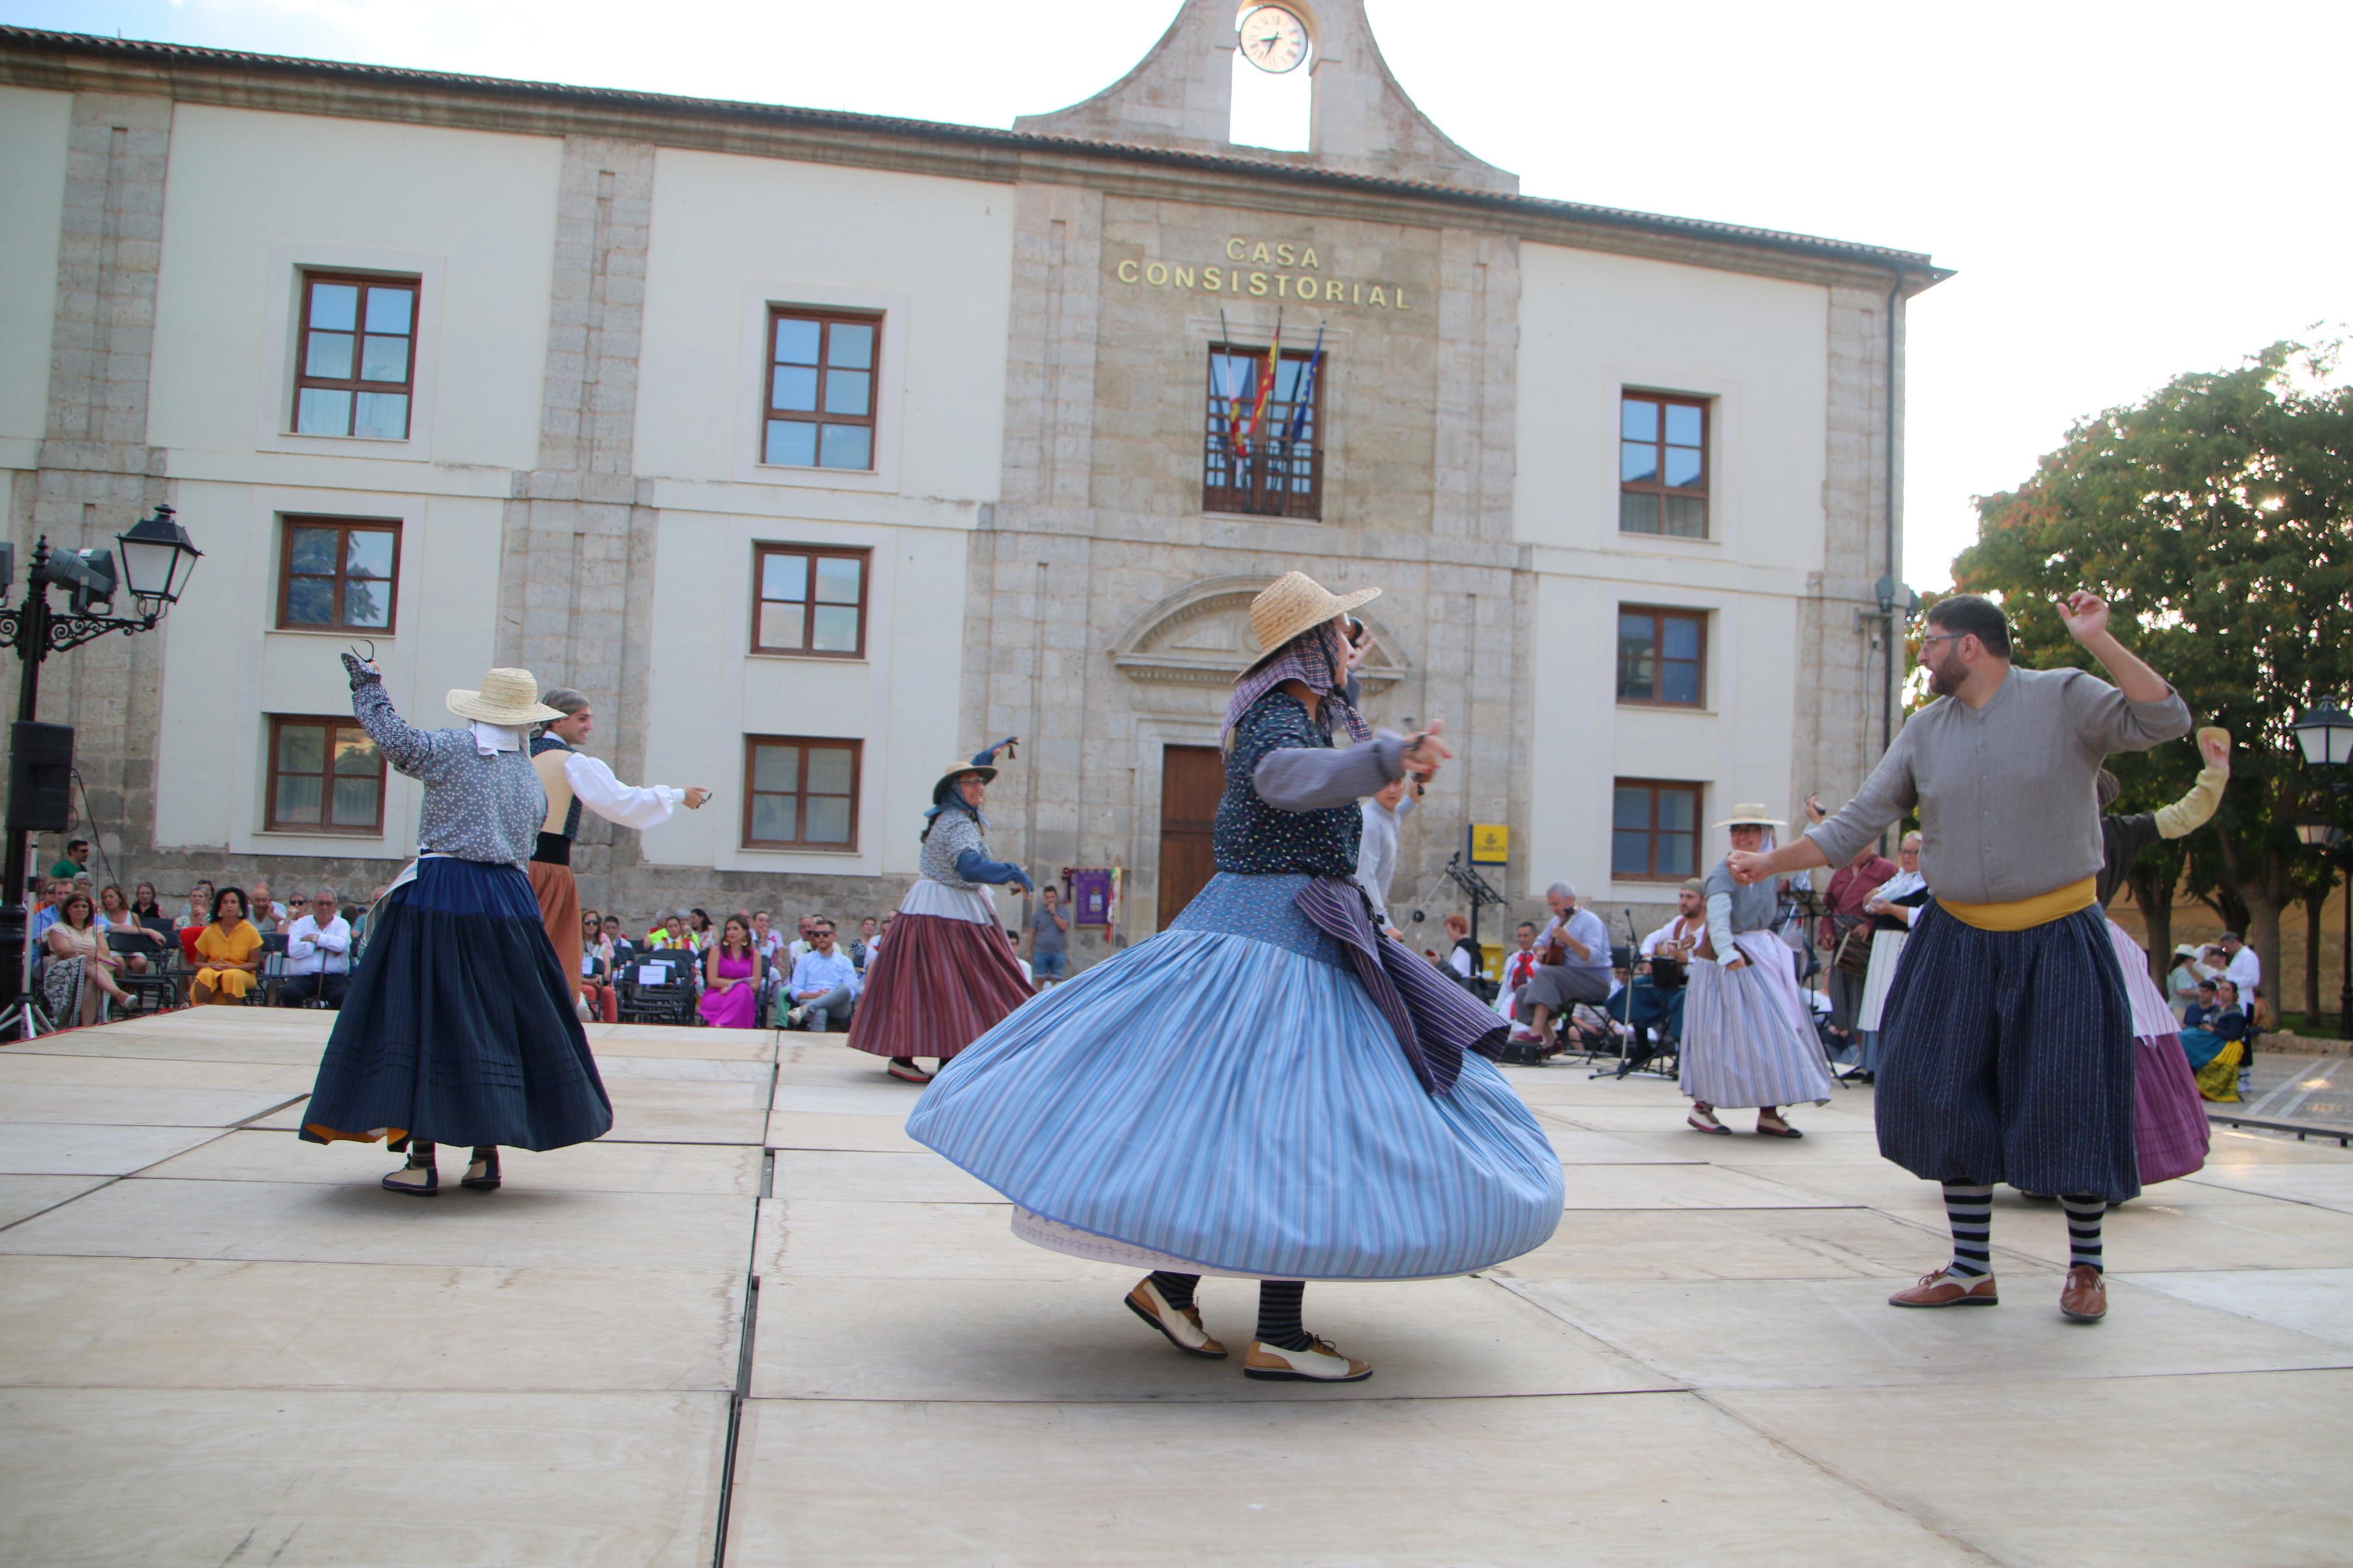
(1654, 831)
(1661, 657)
(338, 574)
(810, 600)
(325, 776)
(800, 792)
(355, 356)
(1663, 465)
(819, 409)
(1265, 457)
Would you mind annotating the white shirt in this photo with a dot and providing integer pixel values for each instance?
(1679, 928)
(314, 949)
(2247, 970)
(1902, 885)
(594, 787)
(1519, 967)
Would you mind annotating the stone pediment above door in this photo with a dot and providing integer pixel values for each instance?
(1201, 636)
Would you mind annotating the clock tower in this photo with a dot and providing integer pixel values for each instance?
(1362, 122)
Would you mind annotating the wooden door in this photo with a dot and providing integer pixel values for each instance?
(1191, 780)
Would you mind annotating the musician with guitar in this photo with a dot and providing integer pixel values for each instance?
(1572, 966)
(1845, 932)
(1654, 998)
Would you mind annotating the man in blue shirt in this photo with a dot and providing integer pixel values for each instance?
(824, 987)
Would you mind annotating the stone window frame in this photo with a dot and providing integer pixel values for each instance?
(1294, 507)
(331, 724)
(762, 550)
(825, 317)
(345, 527)
(857, 750)
(1659, 615)
(367, 283)
(1656, 788)
(1658, 491)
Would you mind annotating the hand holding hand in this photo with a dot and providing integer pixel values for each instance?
(2085, 613)
(695, 795)
(1748, 867)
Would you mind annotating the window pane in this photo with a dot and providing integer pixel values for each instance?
(1686, 515)
(301, 749)
(1675, 855)
(1683, 636)
(383, 415)
(829, 770)
(335, 306)
(829, 820)
(797, 340)
(795, 387)
(848, 391)
(775, 818)
(1638, 420)
(1683, 466)
(387, 311)
(1636, 633)
(784, 576)
(320, 412)
(354, 803)
(835, 629)
(329, 354)
(1629, 854)
(297, 798)
(310, 602)
(367, 603)
(1632, 808)
(1679, 683)
(783, 626)
(384, 359)
(355, 753)
(1638, 513)
(1682, 424)
(776, 768)
(1678, 809)
(1638, 462)
(848, 446)
(791, 444)
(1637, 682)
(852, 347)
(311, 551)
(367, 552)
(837, 580)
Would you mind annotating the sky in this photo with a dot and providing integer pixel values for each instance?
(2127, 192)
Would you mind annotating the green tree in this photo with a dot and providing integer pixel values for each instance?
(2214, 517)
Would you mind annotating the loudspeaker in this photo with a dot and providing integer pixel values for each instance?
(40, 776)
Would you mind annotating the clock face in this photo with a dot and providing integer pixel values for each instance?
(1274, 39)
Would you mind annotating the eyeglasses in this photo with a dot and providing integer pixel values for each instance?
(1941, 636)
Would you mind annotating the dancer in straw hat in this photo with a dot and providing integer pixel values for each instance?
(948, 974)
(459, 1026)
(1748, 1036)
(1270, 1087)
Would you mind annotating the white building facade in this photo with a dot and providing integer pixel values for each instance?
(818, 449)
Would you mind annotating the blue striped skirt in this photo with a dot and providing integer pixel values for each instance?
(1227, 1098)
(2007, 1057)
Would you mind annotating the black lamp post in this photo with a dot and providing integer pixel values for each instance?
(157, 557)
(2325, 735)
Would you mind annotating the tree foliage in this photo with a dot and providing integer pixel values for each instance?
(2214, 518)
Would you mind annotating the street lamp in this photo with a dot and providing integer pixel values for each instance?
(157, 558)
(2325, 735)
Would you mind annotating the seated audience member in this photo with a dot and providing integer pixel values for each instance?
(149, 912)
(228, 952)
(825, 985)
(2213, 1036)
(730, 978)
(765, 936)
(78, 962)
(266, 916)
(115, 919)
(1050, 936)
(1519, 968)
(51, 902)
(318, 955)
(199, 911)
(672, 935)
(596, 979)
(800, 944)
(881, 935)
(622, 949)
(862, 945)
(698, 925)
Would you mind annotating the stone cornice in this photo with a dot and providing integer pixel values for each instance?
(74, 62)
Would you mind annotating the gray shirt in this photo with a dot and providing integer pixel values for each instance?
(477, 806)
(1733, 908)
(1587, 928)
(1377, 854)
(2005, 792)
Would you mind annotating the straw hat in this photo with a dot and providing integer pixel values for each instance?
(508, 697)
(1751, 813)
(1293, 604)
(940, 790)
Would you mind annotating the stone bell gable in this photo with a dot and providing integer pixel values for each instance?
(1181, 95)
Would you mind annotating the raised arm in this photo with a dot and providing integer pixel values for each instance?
(2194, 810)
(2141, 710)
(406, 748)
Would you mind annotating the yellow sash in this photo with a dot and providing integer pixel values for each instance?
(2026, 913)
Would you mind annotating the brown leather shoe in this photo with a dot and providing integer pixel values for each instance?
(1946, 1288)
(2086, 1298)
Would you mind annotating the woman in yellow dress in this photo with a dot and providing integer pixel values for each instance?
(230, 951)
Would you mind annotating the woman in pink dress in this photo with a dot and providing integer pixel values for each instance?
(730, 978)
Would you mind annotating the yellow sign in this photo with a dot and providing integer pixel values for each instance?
(1490, 844)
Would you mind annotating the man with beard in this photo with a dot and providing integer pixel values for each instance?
(1645, 1004)
(2007, 1041)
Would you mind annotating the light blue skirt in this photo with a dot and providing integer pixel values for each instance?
(1226, 1098)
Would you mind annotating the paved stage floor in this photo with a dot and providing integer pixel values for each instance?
(220, 1345)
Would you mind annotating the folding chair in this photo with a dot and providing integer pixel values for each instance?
(659, 988)
(159, 987)
(274, 971)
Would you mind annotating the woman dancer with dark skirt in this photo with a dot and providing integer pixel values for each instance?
(459, 1026)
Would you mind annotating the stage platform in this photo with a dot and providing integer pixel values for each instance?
(758, 1309)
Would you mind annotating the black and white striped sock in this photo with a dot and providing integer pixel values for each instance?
(2083, 1213)
(1278, 1314)
(1177, 1289)
(1969, 1211)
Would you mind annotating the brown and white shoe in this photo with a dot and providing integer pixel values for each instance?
(1321, 1362)
(1946, 1288)
(1181, 1324)
(1701, 1120)
(2084, 1299)
(905, 1069)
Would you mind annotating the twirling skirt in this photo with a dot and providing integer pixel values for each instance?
(1748, 1036)
(2170, 1131)
(1227, 1099)
(944, 979)
(459, 1026)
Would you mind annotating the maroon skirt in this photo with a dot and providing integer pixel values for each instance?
(2169, 1126)
(939, 983)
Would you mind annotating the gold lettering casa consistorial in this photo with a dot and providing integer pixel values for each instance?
(1259, 273)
